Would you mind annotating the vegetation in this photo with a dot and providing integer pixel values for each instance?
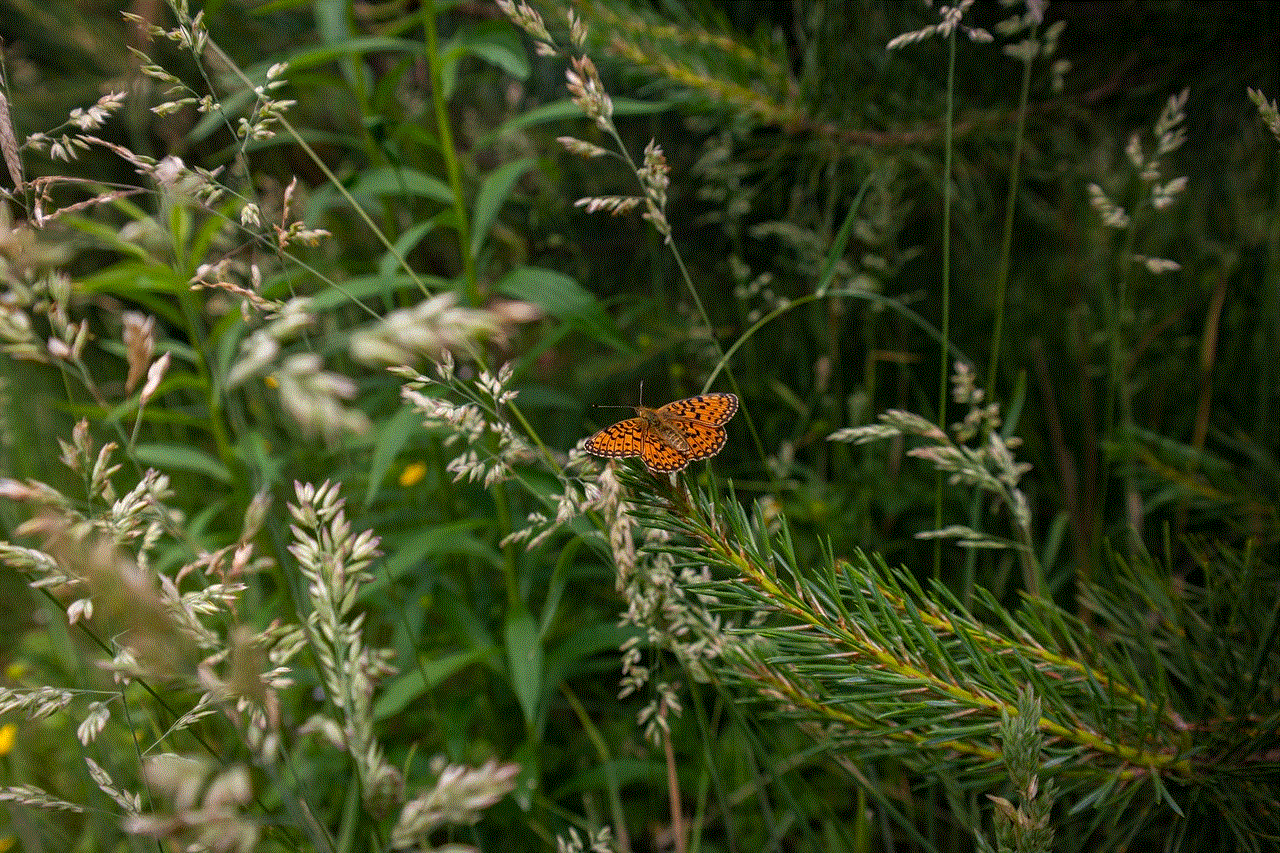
(317, 302)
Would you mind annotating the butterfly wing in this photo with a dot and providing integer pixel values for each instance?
(704, 440)
(625, 438)
(699, 420)
(714, 409)
(662, 458)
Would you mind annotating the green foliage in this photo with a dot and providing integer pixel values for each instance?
(305, 551)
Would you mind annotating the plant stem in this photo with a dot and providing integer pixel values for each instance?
(945, 357)
(450, 155)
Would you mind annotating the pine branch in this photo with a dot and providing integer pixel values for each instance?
(864, 655)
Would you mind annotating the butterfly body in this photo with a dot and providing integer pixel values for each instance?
(667, 439)
(662, 428)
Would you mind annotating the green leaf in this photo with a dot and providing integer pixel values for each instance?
(493, 194)
(404, 555)
(615, 771)
(389, 263)
(524, 660)
(426, 676)
(410, 182)
(573, 657)
(451, 54)
(230, 331)
(556, 293)
(168, 457)
(332, 25)
(391, 440)
(497, 43)
(565, 299)
(109, 235)
(413, 134)
(130, 277)
(311, 57)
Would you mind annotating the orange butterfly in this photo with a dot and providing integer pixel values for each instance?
(669, 438)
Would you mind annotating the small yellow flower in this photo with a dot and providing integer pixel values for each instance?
(271, 381)
(412, 473)
(7, 842)
(15, 670)
(8, 734)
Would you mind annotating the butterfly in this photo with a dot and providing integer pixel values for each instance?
(669, 438)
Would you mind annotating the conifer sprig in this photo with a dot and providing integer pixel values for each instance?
(884, 666)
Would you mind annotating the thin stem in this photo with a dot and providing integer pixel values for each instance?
(450, 155)
(673, 795)
(1116, 314)
(945, 358)
(1006, 243)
